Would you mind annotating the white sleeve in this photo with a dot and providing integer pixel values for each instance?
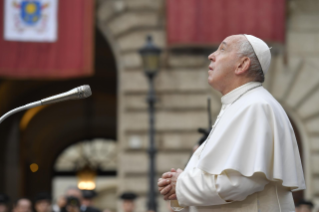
(199, 188)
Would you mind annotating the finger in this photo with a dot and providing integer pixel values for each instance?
(166, 190)
(167, 175)
(166, 197)
(168, 194)
(163, 183)
(179, 170)
(172, 197)
(160, 180)
(160, 188)
(173, 170)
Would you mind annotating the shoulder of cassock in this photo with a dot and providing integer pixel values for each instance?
(255, 136)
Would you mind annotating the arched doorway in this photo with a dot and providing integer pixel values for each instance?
(51, 129)
(90, 165)
(71, 121)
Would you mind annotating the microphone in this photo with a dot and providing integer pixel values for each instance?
(80, 92)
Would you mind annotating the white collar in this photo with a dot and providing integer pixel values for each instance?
(234, 94)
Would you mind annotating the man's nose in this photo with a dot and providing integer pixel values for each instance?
(212, 57)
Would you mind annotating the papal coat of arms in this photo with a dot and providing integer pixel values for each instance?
(31, 13)
(31, 20)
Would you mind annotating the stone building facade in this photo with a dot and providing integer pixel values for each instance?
(182, 90)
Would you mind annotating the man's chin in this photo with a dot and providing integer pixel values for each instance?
(211, 82)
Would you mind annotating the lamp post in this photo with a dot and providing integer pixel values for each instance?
(150, 56)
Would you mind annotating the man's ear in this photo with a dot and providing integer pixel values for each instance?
(243, 66)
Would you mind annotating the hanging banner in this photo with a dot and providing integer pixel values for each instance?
(208, 22)
(30, 20)
(70, 56)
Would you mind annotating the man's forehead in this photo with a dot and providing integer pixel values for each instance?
(232, 39)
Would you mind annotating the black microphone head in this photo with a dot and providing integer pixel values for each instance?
(85, 91)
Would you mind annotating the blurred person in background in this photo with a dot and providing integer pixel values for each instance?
(304, 206)
(22, 205)
(72, 204)
(88, 196)
(75, 192)
(128, 201)
(73, 197)
(42, 202)
(60, 203)
(4, 201)
(87, 201)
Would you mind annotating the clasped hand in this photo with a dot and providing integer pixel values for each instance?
(167, 184)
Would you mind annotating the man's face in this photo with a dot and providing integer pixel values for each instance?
(224, 62)
(128, 206)
(24, 205)
(42, 206)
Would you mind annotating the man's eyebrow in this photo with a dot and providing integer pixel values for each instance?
(224, 43)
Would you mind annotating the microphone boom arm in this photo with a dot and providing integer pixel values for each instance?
(80, 92)
(18, 109)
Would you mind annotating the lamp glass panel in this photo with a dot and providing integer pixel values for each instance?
(86, 180)
(151, 62)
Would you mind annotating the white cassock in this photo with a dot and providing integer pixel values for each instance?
(250, 161)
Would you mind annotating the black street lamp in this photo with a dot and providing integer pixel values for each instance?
(150, 55)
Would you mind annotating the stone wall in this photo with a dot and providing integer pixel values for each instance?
(182, 89)
(302, 94)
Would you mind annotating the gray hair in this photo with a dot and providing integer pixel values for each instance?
(254, 71)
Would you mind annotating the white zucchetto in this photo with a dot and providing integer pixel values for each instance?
(262, 52)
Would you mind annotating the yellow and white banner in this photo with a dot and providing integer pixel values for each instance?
(30, 20)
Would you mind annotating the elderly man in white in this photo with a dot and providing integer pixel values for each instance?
(250, 161)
